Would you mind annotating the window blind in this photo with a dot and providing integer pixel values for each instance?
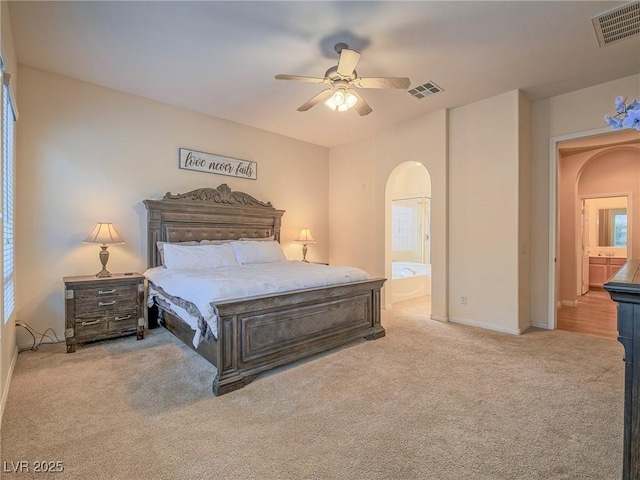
(9, 117)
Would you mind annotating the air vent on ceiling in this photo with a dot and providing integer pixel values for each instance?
(425, 90)
(617, 24)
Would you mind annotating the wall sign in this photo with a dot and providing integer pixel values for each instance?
(210, 163)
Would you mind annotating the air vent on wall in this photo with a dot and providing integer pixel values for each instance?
(617, 24)
(425, 90)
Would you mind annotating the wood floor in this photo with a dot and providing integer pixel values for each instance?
(595, 315)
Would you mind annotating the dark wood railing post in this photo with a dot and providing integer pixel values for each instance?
(624, 288)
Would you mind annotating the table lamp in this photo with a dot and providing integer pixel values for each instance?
(305, 238)
(105, 234)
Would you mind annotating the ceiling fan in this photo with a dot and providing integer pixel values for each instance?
(340, 96)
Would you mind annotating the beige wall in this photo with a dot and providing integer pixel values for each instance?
(422, 140)
(479, 166)
(484, 196)
(564, 116)
(412, 180)
(8, 348)
(89, 154)
(352, 212)
(524, 212)
(359, 210)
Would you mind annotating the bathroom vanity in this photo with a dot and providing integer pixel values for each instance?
(603, 268)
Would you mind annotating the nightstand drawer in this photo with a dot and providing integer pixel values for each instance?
(91, 325)
(109, 292)
(88, 327)
(123, 322)
(105, 305)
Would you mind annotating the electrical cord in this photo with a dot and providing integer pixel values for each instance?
(43, 335)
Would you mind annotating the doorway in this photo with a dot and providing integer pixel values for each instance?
(587, 168)
(408, 253)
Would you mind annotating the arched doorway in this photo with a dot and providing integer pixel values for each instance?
(408, 239)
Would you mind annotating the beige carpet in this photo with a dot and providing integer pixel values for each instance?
(429, 401)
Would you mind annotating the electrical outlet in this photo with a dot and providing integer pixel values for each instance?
(463, 299)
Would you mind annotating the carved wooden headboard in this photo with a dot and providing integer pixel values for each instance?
(208, 214)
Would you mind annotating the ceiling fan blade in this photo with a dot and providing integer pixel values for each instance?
(348, 61)
(324, 94)
(361, 107)
(382, 82)
(282, 76)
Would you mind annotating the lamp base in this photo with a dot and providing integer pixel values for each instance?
(103, 273)
(104, 258)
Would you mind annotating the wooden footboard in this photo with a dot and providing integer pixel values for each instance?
(260, 333)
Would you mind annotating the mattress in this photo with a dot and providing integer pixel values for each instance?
(192, 293)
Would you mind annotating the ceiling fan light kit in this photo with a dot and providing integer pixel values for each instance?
(340, 96)
(341, 100)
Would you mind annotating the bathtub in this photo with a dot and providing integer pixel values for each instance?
(409, 280)
(409, 269)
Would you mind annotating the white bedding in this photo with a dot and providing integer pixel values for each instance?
(203, 288)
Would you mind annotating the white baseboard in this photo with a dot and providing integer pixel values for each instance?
(5, 394)
(438, 318)
(569, 303)
(488, 326)
(540, 325)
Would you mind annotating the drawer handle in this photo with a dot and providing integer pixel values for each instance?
(104, 304)
(122, 318)
(91, 323)
(106, 292)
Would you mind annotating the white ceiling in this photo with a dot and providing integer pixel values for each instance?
(220, 57)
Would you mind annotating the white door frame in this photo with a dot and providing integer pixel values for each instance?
(553, 215)
(583, 249)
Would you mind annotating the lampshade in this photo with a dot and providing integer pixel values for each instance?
(305, 236)
(341, 100)
(103, 233)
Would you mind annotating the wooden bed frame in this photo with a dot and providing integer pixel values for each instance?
(258, 333)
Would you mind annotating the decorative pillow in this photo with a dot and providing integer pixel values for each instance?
(258, 239)
(258, 252)
(161, 245)
(199, 256)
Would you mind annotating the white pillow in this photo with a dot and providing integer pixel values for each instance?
(199, 256)
(258, 252)
(161, 245)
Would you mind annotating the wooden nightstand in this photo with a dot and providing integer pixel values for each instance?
(101, 308)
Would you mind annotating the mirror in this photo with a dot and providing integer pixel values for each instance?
(612, 227)
(604, 223)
